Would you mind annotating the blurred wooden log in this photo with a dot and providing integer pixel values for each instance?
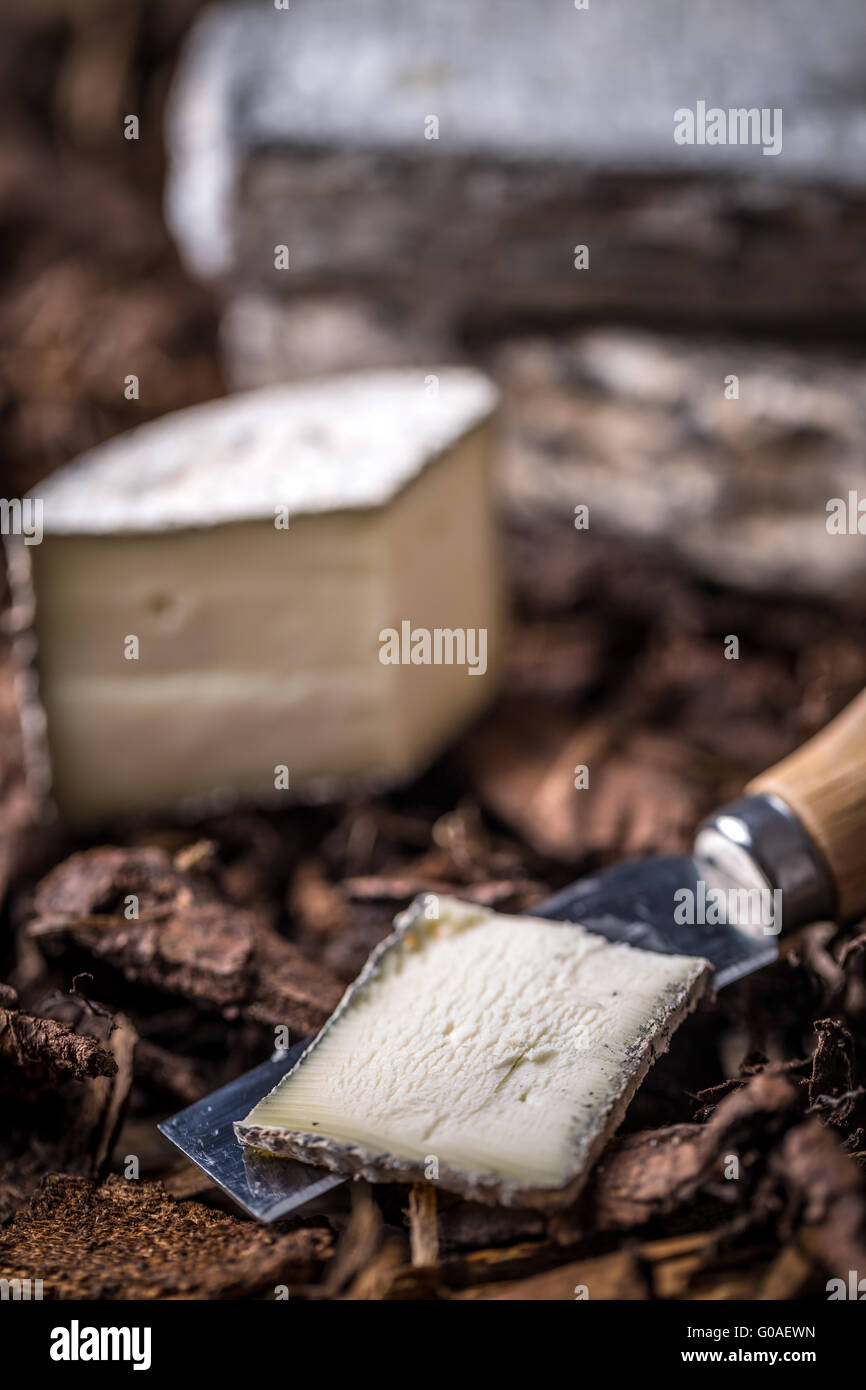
(446, 186)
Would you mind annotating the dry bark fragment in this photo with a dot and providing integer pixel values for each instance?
(640, 1177)
(830, 1194)
(559, 659)
(789, 1274)
(831, 1085)
(346, 952)
(423, 1231)
(168, 1072)
(65, 1105)
(377, 1279)
(615, 1276)
(656, 1172)
(821, 964)
(767, 1103)
(470, 1269)
(473, 1267)
(185, 940)
(692, 1267)
(521, 760)
(645, 792)
(43, 1047)
(317, 903)
(468, 1224)
(358, 1245)
(24, 839)
(755, 1064)
(646, 801)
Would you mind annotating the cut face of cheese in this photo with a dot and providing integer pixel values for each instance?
(494, 1054)
(211, 591)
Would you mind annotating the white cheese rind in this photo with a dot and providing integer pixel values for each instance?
(344, 442)
(504, 1048)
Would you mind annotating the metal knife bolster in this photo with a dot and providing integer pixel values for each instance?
(759, 842)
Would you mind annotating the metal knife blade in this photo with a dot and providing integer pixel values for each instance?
(637, 901)
(265, 1187)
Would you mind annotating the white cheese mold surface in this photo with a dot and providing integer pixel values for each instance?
(495, 1054)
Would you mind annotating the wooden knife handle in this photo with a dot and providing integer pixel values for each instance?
(824, 783)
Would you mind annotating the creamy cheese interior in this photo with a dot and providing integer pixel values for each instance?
(495, 1044)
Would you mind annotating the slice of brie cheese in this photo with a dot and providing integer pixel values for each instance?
(211, 592)
(492, 1054)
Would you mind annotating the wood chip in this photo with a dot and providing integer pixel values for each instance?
(423, 1230)
(41, 1046)
(614, 1276)
(185, 940)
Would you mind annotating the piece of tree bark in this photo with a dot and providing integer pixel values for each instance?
(423, 1231)
(831, 1085)
(184, 939)
(830, 1194)
(615, 1276)
(41, 1046)
(655, 1172)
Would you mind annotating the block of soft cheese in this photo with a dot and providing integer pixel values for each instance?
(283, 592)
(492, 1054)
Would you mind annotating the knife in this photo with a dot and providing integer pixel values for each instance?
(790, 851)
